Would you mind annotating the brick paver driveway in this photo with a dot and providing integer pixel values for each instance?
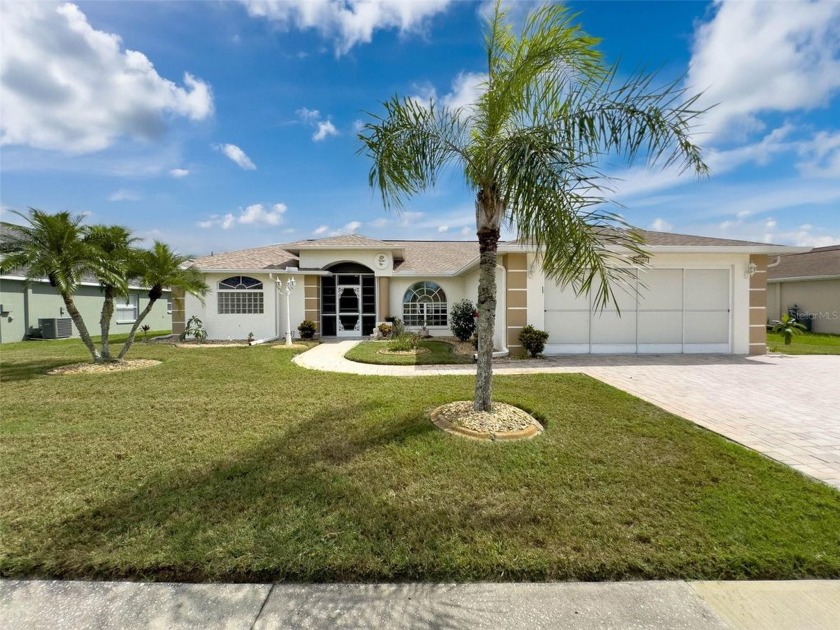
(787, 407)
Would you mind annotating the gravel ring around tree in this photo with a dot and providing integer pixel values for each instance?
(504, 422)
(101, 368)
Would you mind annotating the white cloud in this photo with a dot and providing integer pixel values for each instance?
(321, 229)
(753, 57)
(347, 22)
(178, 173)
(67, 86)
(237, 155)
(465, 90)
(305, 114)
(821, 157)
(443, 228)
(255, 214)
(325, 129)
(661, 225)
(348, 228)
(125, 195)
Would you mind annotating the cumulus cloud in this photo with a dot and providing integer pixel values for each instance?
(754, 57)
(464, 92)
(178, 173)
(325, 129)
(236, 155)
(125, 195)
(321, 229)
(255, 214)
(347, 22)
(69, 87)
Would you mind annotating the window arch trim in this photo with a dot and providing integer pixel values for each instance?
(240, 295)
(424, 304)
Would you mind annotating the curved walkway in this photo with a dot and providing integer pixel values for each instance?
(786, 407)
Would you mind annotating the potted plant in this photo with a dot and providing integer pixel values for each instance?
(307, 329)
(385, 329)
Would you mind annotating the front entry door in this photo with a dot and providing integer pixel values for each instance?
(349, 310)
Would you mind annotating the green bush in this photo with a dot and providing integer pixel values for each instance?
(462, 319)
(385, 329)
(307, 328)
(533, 340)
(403, 342)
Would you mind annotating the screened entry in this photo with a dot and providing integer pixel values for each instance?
(348, 301)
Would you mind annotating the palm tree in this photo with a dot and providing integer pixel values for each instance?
(115, 247)
(531, 148)
(159, 268)
(53, 246)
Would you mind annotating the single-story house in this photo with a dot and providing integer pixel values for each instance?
(809, 282)
(695, 294)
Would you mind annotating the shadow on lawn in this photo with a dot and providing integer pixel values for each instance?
(290, 485)
(27, 370)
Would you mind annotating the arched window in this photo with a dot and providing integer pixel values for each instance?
(424, 303)
(240, 295)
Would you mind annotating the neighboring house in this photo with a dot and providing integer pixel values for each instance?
(809, 281)
(695, 294)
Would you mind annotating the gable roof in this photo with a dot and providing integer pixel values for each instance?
(431, 257)
(820, 262)
(345, 241)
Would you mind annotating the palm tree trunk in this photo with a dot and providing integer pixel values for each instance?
(105, 322)
(134, 328)
(80, 325)
(488, 241)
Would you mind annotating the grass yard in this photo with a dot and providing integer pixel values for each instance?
(233, 464)
(806, 343)
(439, 353)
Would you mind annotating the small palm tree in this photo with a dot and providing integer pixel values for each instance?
(53, 246)
(160, 268)
(530, 148)
(789, 327)
(116, 251)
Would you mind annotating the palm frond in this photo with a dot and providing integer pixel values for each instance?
(410, 144)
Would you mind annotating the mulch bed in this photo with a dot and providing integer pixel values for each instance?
(504, 422)
(101, 368)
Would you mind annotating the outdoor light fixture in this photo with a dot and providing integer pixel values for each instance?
(290, 286)
(751, 269)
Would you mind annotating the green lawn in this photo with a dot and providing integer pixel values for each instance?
(439, 353)
(806, 343)
(233, 464)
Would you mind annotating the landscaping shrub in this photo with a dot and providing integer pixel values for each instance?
(403, 342)
(462, 319)
(385, 329)
(307, 328)
(533, 340)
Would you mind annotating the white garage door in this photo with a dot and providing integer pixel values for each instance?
(664, 311)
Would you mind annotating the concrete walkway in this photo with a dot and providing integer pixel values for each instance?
(51, 605)
(786, 407)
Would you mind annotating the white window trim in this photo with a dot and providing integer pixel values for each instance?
(122, 306)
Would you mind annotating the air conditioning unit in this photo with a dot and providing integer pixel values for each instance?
(57, 328)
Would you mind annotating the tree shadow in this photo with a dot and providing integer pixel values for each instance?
(17, 370)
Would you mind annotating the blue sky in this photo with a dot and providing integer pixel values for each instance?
(222, 125)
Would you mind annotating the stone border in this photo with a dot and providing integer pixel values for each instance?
(403, 353)
(531, 431)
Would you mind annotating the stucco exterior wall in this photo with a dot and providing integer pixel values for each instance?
(820, 297)
(310, 259)
(24, 304)
(271, 323)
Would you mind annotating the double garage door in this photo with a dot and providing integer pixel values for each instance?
(662, 311)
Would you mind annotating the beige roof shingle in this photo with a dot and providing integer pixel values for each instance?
(338, 242)
(268, 257)
(820, 261)
(432, 257)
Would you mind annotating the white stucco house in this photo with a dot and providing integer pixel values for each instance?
(694, 294)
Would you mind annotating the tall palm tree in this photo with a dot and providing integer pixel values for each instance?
(531, 147)
(160, 268)
(116, 250)
(53, 246)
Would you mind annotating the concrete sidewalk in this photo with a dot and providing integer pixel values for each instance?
(33, 605)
